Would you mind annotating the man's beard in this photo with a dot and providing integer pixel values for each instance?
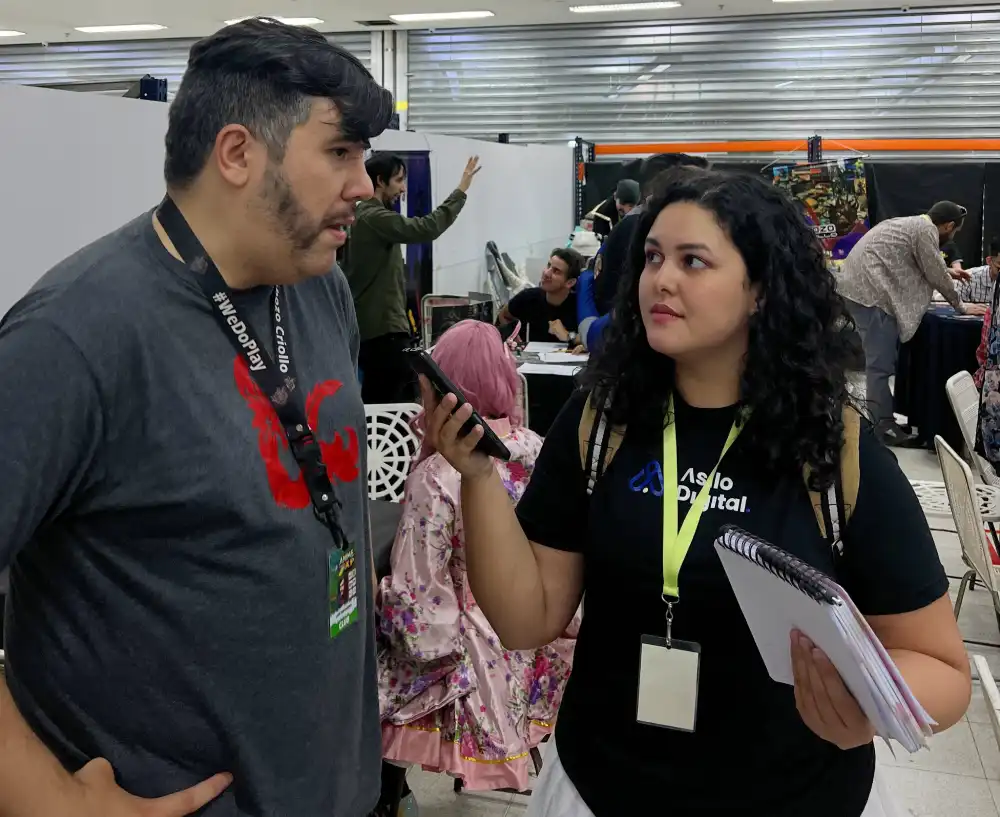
(287, 213)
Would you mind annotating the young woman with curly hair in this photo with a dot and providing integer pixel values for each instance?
(727, 338)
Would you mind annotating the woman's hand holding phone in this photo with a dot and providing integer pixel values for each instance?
(443, 428)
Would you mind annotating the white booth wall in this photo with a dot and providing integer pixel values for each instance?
(74, 167)
(523, 199)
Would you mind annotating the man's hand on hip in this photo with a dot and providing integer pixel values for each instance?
(100, 795)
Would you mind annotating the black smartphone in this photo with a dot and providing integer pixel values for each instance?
(424, 364)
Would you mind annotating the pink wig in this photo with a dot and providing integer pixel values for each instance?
(474, 357)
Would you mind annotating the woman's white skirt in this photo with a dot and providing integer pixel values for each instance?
(555, 795)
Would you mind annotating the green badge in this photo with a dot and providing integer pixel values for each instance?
(343, 591)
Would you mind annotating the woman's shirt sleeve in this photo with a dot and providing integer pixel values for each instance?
(890, 563)
(553, 510)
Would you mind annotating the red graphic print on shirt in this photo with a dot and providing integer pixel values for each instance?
(340, 456)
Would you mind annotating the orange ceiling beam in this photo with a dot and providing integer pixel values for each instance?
(791, 145)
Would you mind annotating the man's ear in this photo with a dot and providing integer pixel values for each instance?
(571, 282)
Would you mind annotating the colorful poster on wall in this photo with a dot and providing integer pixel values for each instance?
(834, 198)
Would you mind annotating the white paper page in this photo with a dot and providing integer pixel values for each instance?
(919, 713)
(773, 608)
(548, 368)
(563, 357)
(541, 347)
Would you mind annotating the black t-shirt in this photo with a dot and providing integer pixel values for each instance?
(615, 259)
(534, 312)
(951, 253)
(778, 767)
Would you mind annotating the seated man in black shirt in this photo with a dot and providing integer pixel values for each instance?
(548, 312)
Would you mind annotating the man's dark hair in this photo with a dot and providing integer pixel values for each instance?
(945, 212)
(264, 75)
(382, 166)
(994, 246)
(575, 262)
(652, 169)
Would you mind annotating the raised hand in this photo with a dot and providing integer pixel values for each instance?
(472, 167)
(824, 702)
(100, 795)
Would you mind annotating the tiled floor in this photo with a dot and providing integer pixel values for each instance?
(960, 775)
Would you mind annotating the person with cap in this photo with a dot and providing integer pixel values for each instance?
(596, 288)
(888, 281)
(609, 212)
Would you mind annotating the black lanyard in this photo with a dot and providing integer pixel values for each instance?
(277, 380)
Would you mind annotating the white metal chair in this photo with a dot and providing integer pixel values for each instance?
(392, 448)
(990, 693)
(961, 488)
(964, 399)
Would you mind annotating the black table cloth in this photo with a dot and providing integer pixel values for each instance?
(547, 394)
(944, 345)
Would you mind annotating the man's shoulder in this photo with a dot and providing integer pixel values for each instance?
(102, 286)
(527, 297)
(109, 261)
(369, 207)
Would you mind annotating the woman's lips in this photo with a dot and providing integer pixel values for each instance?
(661, 313)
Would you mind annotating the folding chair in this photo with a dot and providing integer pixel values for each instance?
(392, 448)
(961, 488)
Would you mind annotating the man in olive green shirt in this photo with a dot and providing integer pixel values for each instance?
(376, 272)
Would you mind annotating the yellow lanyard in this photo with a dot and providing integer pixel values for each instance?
(677, 542)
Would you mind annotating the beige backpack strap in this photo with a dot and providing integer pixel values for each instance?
(835, 506)
(599, 442)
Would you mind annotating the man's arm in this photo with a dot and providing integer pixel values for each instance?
(31, 780)
(398, 229)
(51, 413)
(514, 310)
(928, 257)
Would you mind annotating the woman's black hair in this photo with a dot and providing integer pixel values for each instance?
(794, 382)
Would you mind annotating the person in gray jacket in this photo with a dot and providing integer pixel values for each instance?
(888, 281)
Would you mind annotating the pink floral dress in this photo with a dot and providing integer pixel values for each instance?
(452, 698)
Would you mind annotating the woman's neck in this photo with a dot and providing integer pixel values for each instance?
(708, 383)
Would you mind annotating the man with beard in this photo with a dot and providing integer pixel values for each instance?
(888, 280)
(183, 438)
(376, 271)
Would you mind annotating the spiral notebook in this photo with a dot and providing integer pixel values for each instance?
(779, 593)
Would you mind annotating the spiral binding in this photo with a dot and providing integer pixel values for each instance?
(788, 568)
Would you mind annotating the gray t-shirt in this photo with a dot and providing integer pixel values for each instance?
(169, 597)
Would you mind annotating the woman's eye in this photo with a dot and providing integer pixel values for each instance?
(653, 258)
(694, 262)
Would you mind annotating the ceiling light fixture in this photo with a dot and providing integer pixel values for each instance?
(10, 33)
(616, 7)
(123, 29)
(434, 16)
(291, 21)
(800, 1)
